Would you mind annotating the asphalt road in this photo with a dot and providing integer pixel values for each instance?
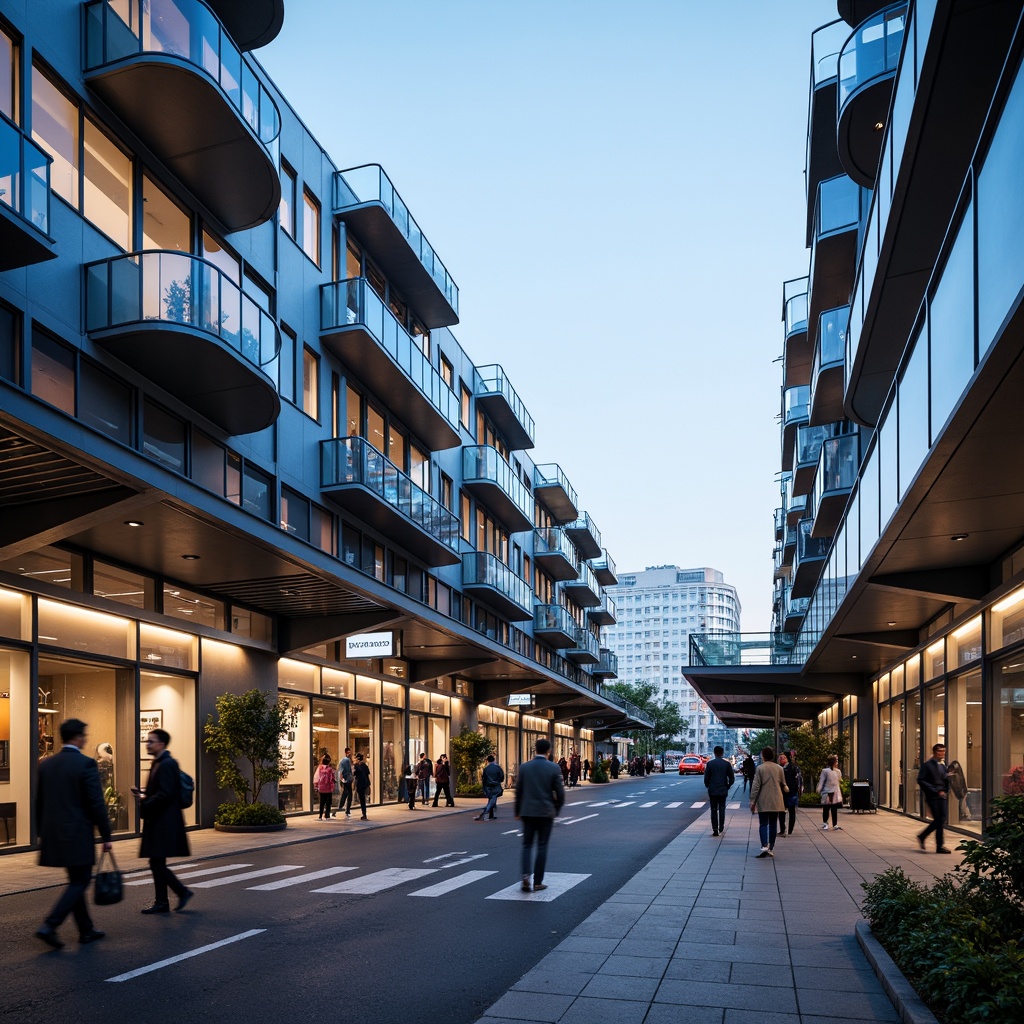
(425, 922)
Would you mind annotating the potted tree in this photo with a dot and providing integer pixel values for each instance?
(246, 738)
(469, 751)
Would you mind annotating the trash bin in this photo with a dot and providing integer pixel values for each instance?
(860, 796)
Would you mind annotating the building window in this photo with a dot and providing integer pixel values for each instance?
(165, 225)
(465, 416)
(447, 373)
(53, 372)
(287, 208)
(256, 492)
(8, 76)
(310, 383)
(294, 514)
(446, 491)
(465, 518)
(117, 584)
(10, 344)
(104, 403)
(55, 128)
(163, 437)
(107, 186)
(311, 226)
(286, 363)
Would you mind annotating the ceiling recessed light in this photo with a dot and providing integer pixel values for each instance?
(879, 125)
(854, 656)
(191, 558)
(134, 522)
(892, 623)
(959, 536)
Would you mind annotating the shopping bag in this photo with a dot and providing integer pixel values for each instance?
(109, 886)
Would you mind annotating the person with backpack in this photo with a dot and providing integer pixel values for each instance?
(326, 780)
(424, 773)
(163, 826)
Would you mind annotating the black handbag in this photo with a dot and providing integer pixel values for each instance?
(109, 885)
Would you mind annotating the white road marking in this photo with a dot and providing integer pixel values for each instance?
(626, 803)
(732, 807)
(652, 803)
(572, 821)
(557, 882)
(603, 803)
(442, 856)
(378, 881)
(196, 874)
(463, 860)
(309, 876)
(678, 803)
(187, 956)
(512, 832)
(246, 875)
(466, 878)
(699, 803)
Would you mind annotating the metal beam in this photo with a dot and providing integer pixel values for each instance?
(297, 634)
(961, 583)
(899, 639)
(424, 671)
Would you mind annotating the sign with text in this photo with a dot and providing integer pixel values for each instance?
(370, 645)
(520, 700)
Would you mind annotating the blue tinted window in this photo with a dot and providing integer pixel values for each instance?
(913, 411)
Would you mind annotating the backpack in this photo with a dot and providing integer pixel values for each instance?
(188, 789)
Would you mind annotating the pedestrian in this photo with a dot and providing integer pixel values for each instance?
(345, 777)
(934, 782)
(424, 773)
(586, 768)
(69, 806)
(563, 767)
(539, 797)
(614, 766)
(795, 782)
(493, 778)
(748, 770)
(361, 775)
(443, 779)
(831, 793)
(410, 785)
(718, 778)
(781, 828)
(574, 770)
(163, 827)
(326, 780)
(767, 798)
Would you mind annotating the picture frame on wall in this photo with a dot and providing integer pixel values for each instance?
(148, 721)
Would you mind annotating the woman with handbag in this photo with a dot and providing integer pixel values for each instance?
(831, 793)
(326, 780)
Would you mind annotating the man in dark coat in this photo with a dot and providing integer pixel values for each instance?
(539, 797)
(493, 778)
(443, 778)
(424, 773)
(163, 827)
(934, 781)
(68, 807)
(718, 778)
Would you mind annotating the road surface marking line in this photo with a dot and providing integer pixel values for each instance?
(378, 881)
(652, 803)
(626, 803)
(466, 878)
(603, 803)
(309, 876)
(454, 853)
(557, 882)
(195, 874)
(678, 803)
(463, 860)
(572, 821)
(733, 807)
(246, 875)
(512, 832)
(188, 955)
(699, 803)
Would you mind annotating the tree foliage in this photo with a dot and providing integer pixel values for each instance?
(248, 729)
(469, 751)
(813, 749)
(668, 722)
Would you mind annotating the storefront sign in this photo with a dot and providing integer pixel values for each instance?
(370, 645)
(520, 700)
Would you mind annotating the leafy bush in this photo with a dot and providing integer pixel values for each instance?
(248, 814)
(471, 789)
(599, 772)
(469, 751)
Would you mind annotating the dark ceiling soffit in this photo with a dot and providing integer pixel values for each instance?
(496, 689)
(966, 583)
(297, 634)
(424, 671)
(725, 681)
(900, 639)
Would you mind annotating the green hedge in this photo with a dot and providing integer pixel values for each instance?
(248, 814)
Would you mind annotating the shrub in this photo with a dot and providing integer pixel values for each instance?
(599, 772)
(248, 814)
(472, 789)
(469, 751)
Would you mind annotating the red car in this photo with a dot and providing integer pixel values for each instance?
(692, 764)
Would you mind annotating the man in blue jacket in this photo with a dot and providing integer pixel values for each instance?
(934, 781)
(539, 797)
(718, 777)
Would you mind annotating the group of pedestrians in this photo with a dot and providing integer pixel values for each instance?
(70, 807)
(340, 781)
(417, 778)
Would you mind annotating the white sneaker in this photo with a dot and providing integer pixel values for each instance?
(824, 828)
(764, 852)
(837, 828)
(771, 853)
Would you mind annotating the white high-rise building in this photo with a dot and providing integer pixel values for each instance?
(657, 611)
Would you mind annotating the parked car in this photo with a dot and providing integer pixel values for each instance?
(692, 764)
(659, 765)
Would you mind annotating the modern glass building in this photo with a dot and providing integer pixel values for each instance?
(240, 445)
(899, 559)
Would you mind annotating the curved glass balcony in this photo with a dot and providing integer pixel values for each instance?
(604, 569)
(587, 651)
(489, 477)
(795, 410)
(554, 625)
(183, 324)
(553, 489)
(24, 200)
(360, 480)
(780, 522)
(838, 209)
(809, 561)
(554, 553)
(608, 666)
(152, 60)
(838, 465)
(828, 369)
(808, 447)
(583, 532)
(251, 23)
(604, 614)
(867, 70)
(495, 584)
(794, 611)
(357, 327)
(585, 590)
(496, 396)
(794, 307)
(365, 198)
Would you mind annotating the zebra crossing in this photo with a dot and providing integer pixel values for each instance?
(669, 805)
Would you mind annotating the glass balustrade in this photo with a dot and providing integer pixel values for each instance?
(837, 206)
(837, 465)
(586, 645)
(553, 618)
(481, 569)
(587, 581)
(795, 404)
(550, 540)
(491, 380)
(826, 43)
(604, 564)
(609, 664)
(353, 460)
(810, 548)
(176, 288)
(484, 463)
(872, 50)
(794, 306)
(369, 184)
(24, 176)
(116, 30)
(808, 444)
(730, 649)
(353, 303)
(584, 524)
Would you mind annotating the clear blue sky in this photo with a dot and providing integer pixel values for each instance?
(618, 192)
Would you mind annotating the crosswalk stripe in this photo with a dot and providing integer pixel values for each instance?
(366, 885)
(557, 882)
(512, 832)
(626, 803)
(246, 875)
(193, 874)
(572, 821)
(733, 807)
(652, 803)
(466, 878)
(678, 803)
(699, 803)
(309, 876)
(603, 803)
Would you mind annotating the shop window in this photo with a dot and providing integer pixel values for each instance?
(170, 701)
(363, 738)
(253, 625)
(368, 689)
(338, 684)
(1008, 727)
(117, 584)
(105, 403)
(1007, 620)
(47, 565)
(53, 372)
(298, 675)
(440, 704)
(55, 128)
(163, 436)
(328, 725)
(965, 643)
(15, 616)
(964, 751)
(393, 695)
(64, 625)
(197, 609)
(294, 792)
(935, 660)
(168, 648)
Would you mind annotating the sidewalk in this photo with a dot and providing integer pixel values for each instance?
(707, 933)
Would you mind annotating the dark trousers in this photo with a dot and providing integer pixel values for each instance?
(325, 804)
(361, 797)
(72, 900)
(717, 812)
(345, 803)
(411, 787)
(446, 788)
(424, 788)
(164, 879)
(834, 808)
(782, 819)
(539, 829)
(766, 822)
(938, 808)
(492, 801)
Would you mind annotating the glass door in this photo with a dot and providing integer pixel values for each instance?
(362, 737)
(963, 751)
(392, 757)
(171, 699)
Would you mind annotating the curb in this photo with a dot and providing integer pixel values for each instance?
(909, 1005)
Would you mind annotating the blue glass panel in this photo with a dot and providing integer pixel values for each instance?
(913, 412)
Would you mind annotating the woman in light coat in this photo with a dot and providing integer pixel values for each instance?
(831, 793)
(767, 798)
